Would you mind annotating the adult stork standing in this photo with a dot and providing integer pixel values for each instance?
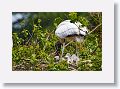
(67, 30)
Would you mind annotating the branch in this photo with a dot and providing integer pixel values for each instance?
(95, 28)
(68, 43)
(45, 43)
(94, 50)
(29, 38)
(47, 40)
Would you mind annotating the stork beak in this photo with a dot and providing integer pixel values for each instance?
(86, 35)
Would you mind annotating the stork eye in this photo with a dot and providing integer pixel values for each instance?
(86, 32)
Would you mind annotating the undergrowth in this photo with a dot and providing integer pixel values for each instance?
(34, 48)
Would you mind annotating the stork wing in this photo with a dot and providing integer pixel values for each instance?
(64, 23)
(65, 29)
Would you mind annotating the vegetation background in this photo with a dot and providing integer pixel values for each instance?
(34, 41)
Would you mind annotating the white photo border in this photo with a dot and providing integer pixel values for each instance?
(104, 76)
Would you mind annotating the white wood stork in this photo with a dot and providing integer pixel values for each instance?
(71, 32)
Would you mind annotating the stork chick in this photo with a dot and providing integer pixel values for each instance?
(68, 58)
(75, 59)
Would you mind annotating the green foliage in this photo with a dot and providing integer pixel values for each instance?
(57, 21)
(34, 46)
(83, 20)
(61, 66)
(73, 16)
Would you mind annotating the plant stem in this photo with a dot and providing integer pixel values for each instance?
(95, 28)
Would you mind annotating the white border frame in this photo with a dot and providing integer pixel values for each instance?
(104, 76)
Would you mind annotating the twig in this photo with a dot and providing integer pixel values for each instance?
(29, 38)
(47, 40)
(68, 43)
(94, 50)
(95, 28)
(92, 31)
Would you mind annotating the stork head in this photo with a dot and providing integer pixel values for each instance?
(83, 29)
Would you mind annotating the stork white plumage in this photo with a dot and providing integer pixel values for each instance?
(70, 31)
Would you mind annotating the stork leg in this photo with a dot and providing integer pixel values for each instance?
(76, 49)
(63, 49)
